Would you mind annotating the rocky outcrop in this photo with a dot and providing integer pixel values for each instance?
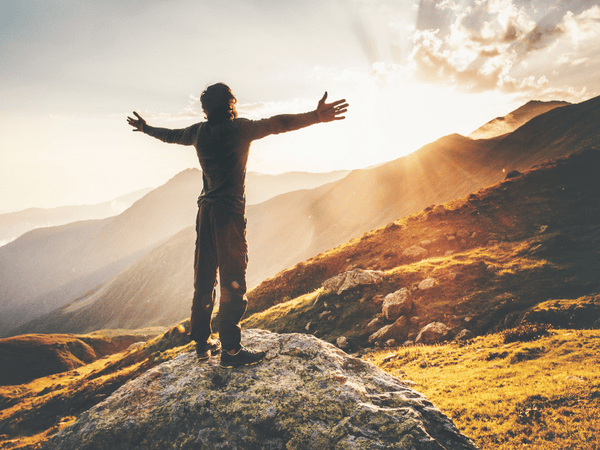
(307, 395)
(352, 279)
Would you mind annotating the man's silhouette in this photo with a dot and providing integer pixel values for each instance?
(222, 144)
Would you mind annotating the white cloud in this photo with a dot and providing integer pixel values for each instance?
(489, 44)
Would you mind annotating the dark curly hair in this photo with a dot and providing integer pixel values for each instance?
(218, 103)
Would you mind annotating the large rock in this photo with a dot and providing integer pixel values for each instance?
(351, 279)
(306, 395)
(397, 331)
(415, 252)
(397, 304)
(434, 332)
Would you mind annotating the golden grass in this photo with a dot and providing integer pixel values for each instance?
(543, 394)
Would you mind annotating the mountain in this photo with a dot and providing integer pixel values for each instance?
(293, 227)
(155, 290)
(261, 187)
(297, 226)
(509, 123)
(48, 267)
(523, 251)
(13, 225)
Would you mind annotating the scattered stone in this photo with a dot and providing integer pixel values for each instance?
(342, 343)
(474, 234)
(415, 320)
(307, 327)
(542, 229)
(397, 304)
(432, 333)
(415, 252)
(450, 238)
(448, 252)
(398, 331)
(352, 279)
(427, 283)
(324, 313)
(408, 343)
(390, 343)
(462, 234)
(311, 395)
(468, 319)
(464, 335)
(513, 174)
(491, 268)
(423, 364)
(425, 242)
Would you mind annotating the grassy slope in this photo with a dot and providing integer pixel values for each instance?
(515, 245)
(543, 394)
(32, 412)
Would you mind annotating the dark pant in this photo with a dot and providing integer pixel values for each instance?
(220, 244)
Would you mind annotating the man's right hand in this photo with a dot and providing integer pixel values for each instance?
(137, 124)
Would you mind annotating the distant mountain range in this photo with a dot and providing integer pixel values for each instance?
(293, 227)
(15, 224)
(48, 267)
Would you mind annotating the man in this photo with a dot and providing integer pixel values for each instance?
(222, 144)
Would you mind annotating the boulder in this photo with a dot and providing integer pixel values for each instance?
(351, 279)
(432, 333)
(427, 283)
(342, 342)
(397, 304)
(307, 394)
(397, 331)
(415, 252)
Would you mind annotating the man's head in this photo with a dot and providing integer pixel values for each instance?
(218, 103)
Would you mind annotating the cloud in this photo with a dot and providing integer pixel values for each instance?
(487, 44)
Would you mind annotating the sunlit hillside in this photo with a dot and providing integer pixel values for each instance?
(514, 259)
(490, 259)
(512, 121)
(293, 227)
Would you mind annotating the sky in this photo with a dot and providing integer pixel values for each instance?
(412, 70)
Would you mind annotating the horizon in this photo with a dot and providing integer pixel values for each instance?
(412, 73)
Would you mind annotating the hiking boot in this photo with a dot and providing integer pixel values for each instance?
(210, 347)
(243, 357)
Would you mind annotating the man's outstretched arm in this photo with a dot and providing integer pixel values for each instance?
(282, 123)
(184, 136)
